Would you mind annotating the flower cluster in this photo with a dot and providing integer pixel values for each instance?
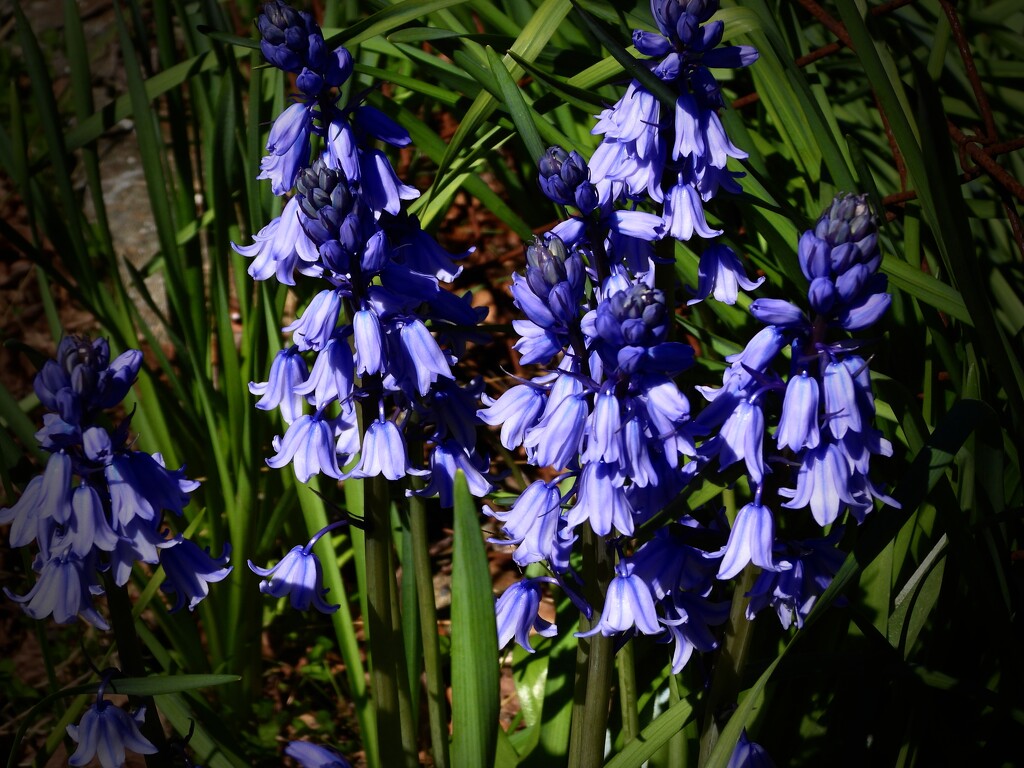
(382, 331)
(825, 430)
(634, 155)
(611, 418)
(608, 415)
(99, 504)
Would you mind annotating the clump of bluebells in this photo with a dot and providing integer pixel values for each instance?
(99, 504)
(607, 414)
(381, 332)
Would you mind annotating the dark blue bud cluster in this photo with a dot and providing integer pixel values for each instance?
(565, 179)
(292, 41)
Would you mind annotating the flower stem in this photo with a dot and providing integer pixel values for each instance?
(627, 692)
(731, 660)
(594, 657)
(387, 651)
(428, 630)
(129, 652)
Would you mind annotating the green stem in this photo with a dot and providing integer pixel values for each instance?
(387, 652)
(594, 660)
(436, 709)
(731, 660)
(677, 744)
(626, 664)
(129, 651)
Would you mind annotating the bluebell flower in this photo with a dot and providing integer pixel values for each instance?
(288, 147)
(516, 411)
(299, 576)
(285, 35)
(822, 484)
(189, 570)
(556, 439)
(532, 523)
(601, 500)
(741, 438)
(692, 630)
(316, 325)
(287, 373)
(24, 515)
(517, 613)
(105, 733)
(282, 247)
(750, 540)
(793, 592)
(383, 453)
(65, 589)
(446, 458)
(720, 273)
(331, 379)
(309, 446)
(628, 605)
(89, 528)
(424, 354)
(314, 756)
(381, 185)
(141, 486)
(749, 754)
(798, 426)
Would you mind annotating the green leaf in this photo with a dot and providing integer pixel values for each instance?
(157, 685)
(528, 45)
(654, 736)
(386, 20)
(474, 639)
(522, 115)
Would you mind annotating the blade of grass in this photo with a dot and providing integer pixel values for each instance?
(474, 639)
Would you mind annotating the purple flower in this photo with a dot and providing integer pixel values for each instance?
(750, 540)
(381, 186)
(601, 500)
(65, 588)
(287, 373)
(300, 576)
(517, 411)
(280, 247)
(89, 528)
(190, 570)
(793, 592)
(798, 426)
(556, 438)
(822, 484)
(742, 437)
(627, 604)
(517, 613)
(532, 522)
(841, 405)
(313, 756)
(316, 325)
(445, 460)
(105, 732)
(332, 375)
(749, 754)
(424, 355)
(383, 453)
(721, 273)
(309, 446)
(288, 147)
